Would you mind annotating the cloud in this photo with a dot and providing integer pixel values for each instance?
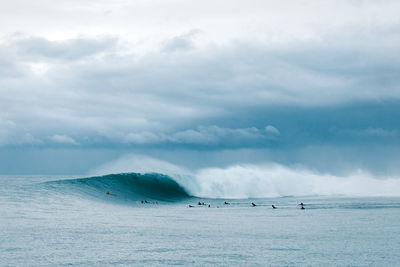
(182, 42)
(109, 95)
(33, 47)
(217, 135)
(271, 130)
(63, 139)
(204, 136)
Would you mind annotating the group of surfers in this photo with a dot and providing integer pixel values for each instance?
(209, 205)
(252, 203)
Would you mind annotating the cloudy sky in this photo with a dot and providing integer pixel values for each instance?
(200, 83)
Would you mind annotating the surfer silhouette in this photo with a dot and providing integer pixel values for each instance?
(226, 203)
(273, 207)
(254, 205)
(302, 206)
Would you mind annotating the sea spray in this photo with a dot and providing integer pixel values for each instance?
(274, 180)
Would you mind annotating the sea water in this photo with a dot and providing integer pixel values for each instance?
(65, 221)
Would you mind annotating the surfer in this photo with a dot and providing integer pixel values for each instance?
(254, 205)
(302, 206)
(108, 192)
(190, 206)
(226, 203)
(273, 207)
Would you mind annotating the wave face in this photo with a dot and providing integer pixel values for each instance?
(124, 186)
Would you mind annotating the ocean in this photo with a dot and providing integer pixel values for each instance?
(145, 220)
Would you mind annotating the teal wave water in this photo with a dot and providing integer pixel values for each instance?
(124, 186)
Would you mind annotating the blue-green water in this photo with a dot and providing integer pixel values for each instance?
(54, 221)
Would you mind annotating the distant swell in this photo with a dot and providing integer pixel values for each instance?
(124, 186)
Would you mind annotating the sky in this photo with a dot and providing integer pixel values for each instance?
(200, 84)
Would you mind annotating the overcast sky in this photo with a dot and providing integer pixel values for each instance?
(296, 82)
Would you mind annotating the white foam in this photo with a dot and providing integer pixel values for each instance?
(274, 180)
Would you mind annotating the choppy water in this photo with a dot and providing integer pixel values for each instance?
(48, 221)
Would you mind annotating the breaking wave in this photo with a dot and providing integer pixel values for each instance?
(241, 181)
(274, 180)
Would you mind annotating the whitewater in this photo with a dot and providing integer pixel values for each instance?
(143, 217)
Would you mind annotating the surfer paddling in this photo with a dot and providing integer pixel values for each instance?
(273, 206)
(254, 205)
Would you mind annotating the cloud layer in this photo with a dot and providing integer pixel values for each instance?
(88, 89)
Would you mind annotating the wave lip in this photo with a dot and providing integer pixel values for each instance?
(125, 186)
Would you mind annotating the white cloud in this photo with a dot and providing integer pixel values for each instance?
(204, 135)
(63, 139)
(271, 130)
(273, 21)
